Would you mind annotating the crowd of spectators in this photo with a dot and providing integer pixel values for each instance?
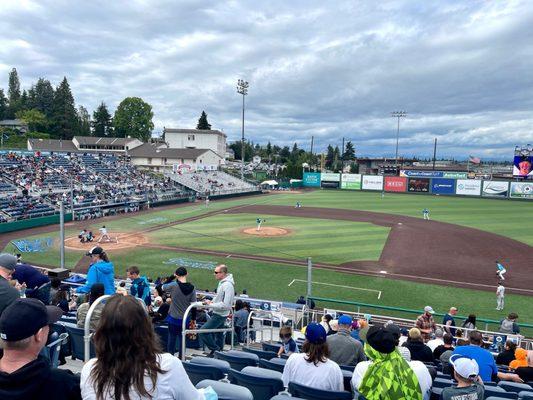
(33, 185)
(388, 361)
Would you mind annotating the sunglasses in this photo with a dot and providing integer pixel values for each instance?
(286, 335)
(216, 272)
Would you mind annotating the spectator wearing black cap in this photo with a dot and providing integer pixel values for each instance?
(344, 349)
(23, 374)
(182, 294)
(8, 294)
(101, 270)
(313, 367)
(387, 375)
(37, 283)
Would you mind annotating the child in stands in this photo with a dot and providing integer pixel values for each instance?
(288, 346)
(469, 384)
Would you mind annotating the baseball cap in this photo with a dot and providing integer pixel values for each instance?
(24, 317)
(345, 320)
(181, 271)
(466, 367)
(315, 333)
(429, 309)
(97, 250)
(8, 261)
(381, 339)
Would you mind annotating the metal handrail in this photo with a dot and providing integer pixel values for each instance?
(269, 313)
(185, 331)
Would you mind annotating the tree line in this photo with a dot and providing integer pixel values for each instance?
(52, 112)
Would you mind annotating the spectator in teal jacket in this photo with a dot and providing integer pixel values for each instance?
(101, 270)
(140, 287)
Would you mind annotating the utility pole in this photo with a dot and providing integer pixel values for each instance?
(342, 156)
(434, 153)
(242, 88)
(398, 114)
(312, 139)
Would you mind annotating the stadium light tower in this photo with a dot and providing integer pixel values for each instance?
(242, 88)
(398, 114)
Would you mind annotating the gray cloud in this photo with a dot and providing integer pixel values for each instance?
(462, 69)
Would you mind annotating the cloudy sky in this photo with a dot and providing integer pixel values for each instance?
(463, 70)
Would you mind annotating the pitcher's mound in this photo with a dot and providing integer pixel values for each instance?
(267, 231)
(119, 241)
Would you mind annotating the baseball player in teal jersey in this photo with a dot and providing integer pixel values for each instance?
(425, 213)
(501, 270)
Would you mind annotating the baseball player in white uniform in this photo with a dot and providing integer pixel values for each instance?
(500, 296)
(103, 234)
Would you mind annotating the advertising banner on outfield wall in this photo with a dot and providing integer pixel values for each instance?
(395, 184)
(495, 189)
(311, 179)
(330, 177)
(443, 186)
(468, 187)
(420, 185)
(433, 174)
(521, 190)
(372, 182)
(351, 181)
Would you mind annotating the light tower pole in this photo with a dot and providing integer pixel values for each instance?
(242, 88)
(398, 114)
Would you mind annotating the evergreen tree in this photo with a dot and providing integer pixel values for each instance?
(337, 163)
(133, 117)
(349, 152)
(43, 97)
(35, 119)
(285, 154)
(102, 123)
(269, 149)
(24, 102)
(13, 94)
(330, 157)
(84, 122)
(202, 122)
(65, 120)
(3, 105)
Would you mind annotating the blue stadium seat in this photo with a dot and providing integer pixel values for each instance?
(526, 395)
(514, 386)
(199, 372)
(263, 383)
(54, 349)
(499, 392)
(76, 343)
(310, 393)
(267, 355)
(212, 362)
(275, 364)
(227, 391)
(238, 359)
(271, 347)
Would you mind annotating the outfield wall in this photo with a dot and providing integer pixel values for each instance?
(32, 223)
(433, 182)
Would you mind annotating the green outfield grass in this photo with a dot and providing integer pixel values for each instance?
(325, 241)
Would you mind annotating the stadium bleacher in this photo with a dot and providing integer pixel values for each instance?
(212, 182)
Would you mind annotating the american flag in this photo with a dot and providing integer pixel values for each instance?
(475, 160)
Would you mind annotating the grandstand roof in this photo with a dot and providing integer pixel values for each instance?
(195, 131)
(51, 145)
(149, 150)
(103, 140)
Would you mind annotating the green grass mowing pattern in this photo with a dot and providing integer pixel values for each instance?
(503, 217)
(269, 281)
(325, 241)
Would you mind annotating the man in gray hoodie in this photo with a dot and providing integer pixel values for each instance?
(221, 306)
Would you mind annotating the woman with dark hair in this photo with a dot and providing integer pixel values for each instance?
(101, 270)
(97, 290)
(470, 322)
(129, 363)
(312, 367)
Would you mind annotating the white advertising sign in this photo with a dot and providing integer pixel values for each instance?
(468, 187)
(372, 182)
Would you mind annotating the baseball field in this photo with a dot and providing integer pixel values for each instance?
(364, 248)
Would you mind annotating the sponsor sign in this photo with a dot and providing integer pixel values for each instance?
(330, 177)
(265, 305)
(395, 184)
(468, 187)
(418, 185)
(521, 190)
(191, 263)
(372, 182)
(351, 181)
(443, 186)
(523, 167)
(495, 188)
(433, 174)
(311, 179)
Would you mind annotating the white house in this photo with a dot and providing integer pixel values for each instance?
(160, 158)
(196, 139)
